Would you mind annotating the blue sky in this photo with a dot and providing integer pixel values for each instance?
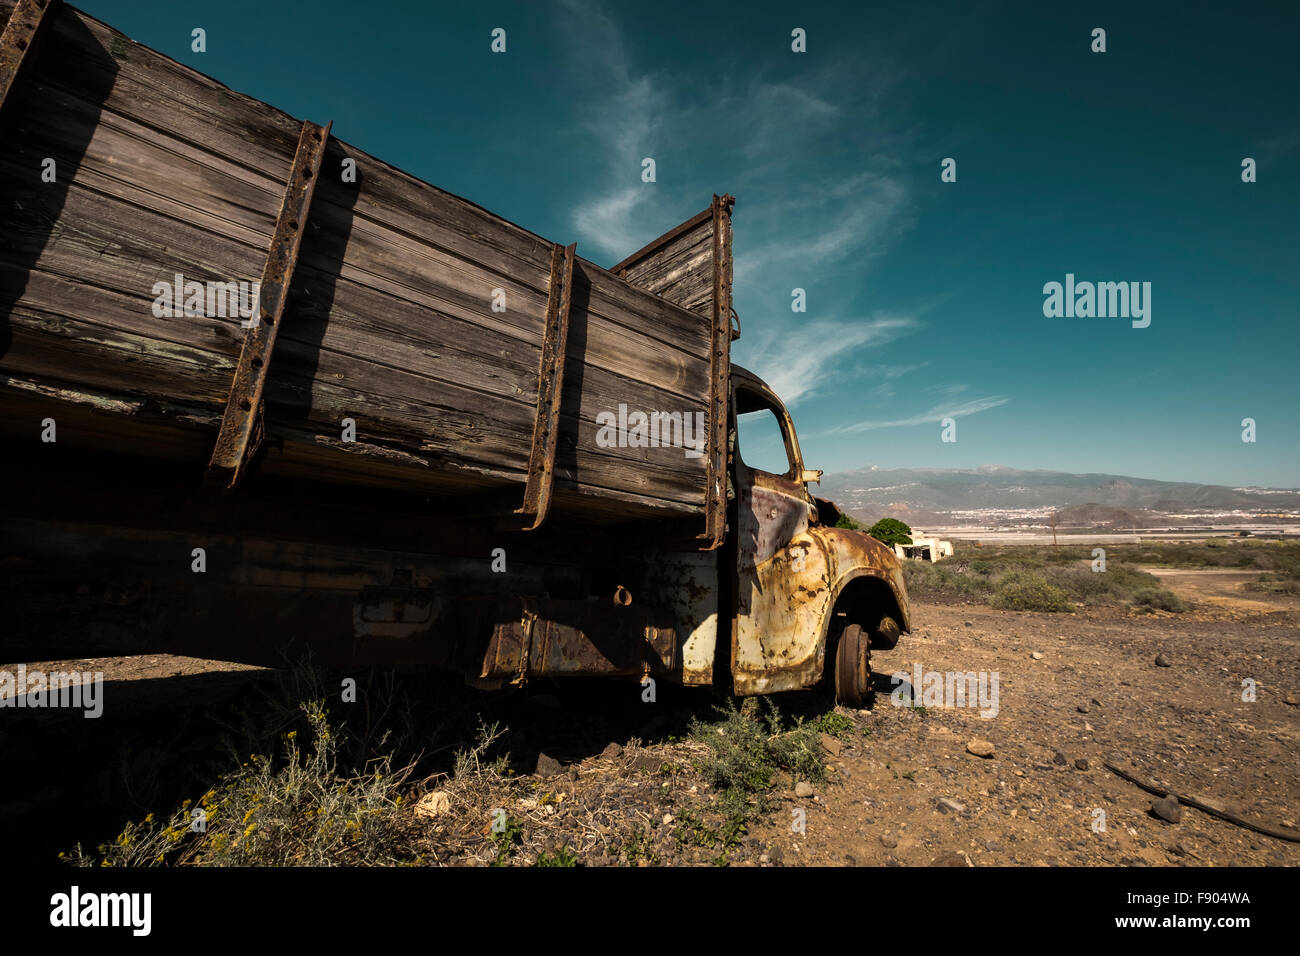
(924, 298)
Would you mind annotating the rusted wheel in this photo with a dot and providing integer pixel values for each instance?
(887, 634)
(853, 666)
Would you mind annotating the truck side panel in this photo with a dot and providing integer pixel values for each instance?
(163, 172)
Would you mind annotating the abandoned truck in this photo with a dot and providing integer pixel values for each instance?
(261, 391)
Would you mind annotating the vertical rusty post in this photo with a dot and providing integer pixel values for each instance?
(715, 503)
(550, 385)
(242, 424)
(21, 36)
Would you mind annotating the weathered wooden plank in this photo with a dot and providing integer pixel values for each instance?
(148, 428)
(148, 167)
(384, 469)
(594, 472)
(686, 257)
(103, 422)
(155, 90)
(678, 265)
(380, 190)
(457, 440)
(635, 308)
(456, 424)
(331, 359)
(111, 232)
(410, 410)
(404, 410)
(436, 328)
(102, 241)
(475, 268)
(656, 245)
(68, 350)
(465, 296)
(104, 309)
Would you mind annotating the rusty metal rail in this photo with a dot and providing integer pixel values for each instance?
(715, 505)
(550, 385)
(21, 36)
(242, 427)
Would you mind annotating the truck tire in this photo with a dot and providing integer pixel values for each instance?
(853, 666)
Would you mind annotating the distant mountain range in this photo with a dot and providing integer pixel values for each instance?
(996, 493)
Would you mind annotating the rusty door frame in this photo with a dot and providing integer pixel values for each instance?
(789, 485)
(812, 583)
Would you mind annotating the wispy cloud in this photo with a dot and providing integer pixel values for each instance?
(816, 228)
(795, 366)
(885, 377)
(819, 196)
(931, 416)
(624, 116)
(778, 144)
(1278, 147)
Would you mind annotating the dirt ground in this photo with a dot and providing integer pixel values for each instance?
(1096, 693)
(903, 790)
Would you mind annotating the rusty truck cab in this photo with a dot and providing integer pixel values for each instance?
(804, 592)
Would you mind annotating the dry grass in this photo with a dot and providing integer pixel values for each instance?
(297, 810)
(336, 792)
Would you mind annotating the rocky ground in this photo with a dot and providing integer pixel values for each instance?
(1074, 691)
(595, 776)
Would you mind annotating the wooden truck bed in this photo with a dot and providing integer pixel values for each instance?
(386, 317)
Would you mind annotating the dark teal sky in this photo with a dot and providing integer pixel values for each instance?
(924, 298)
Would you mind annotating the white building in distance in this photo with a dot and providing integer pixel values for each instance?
(924, 549)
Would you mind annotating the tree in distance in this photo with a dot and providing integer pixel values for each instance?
(891, 531)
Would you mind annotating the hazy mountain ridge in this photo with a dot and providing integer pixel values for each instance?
(944, 492)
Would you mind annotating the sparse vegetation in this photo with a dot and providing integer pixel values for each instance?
(836, 724)
(639, 848)
(1274, 583)
(336, 791)
(507, 833)
(1027, 591)
(299, 809)
(1228, 552)
(1017, 577)
(561, 857)
(746, 752)
(1283, 575)
(1159, 599)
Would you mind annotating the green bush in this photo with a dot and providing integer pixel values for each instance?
(1116, 585)
(746, 750)
(1027, 591)
(1159, 599)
